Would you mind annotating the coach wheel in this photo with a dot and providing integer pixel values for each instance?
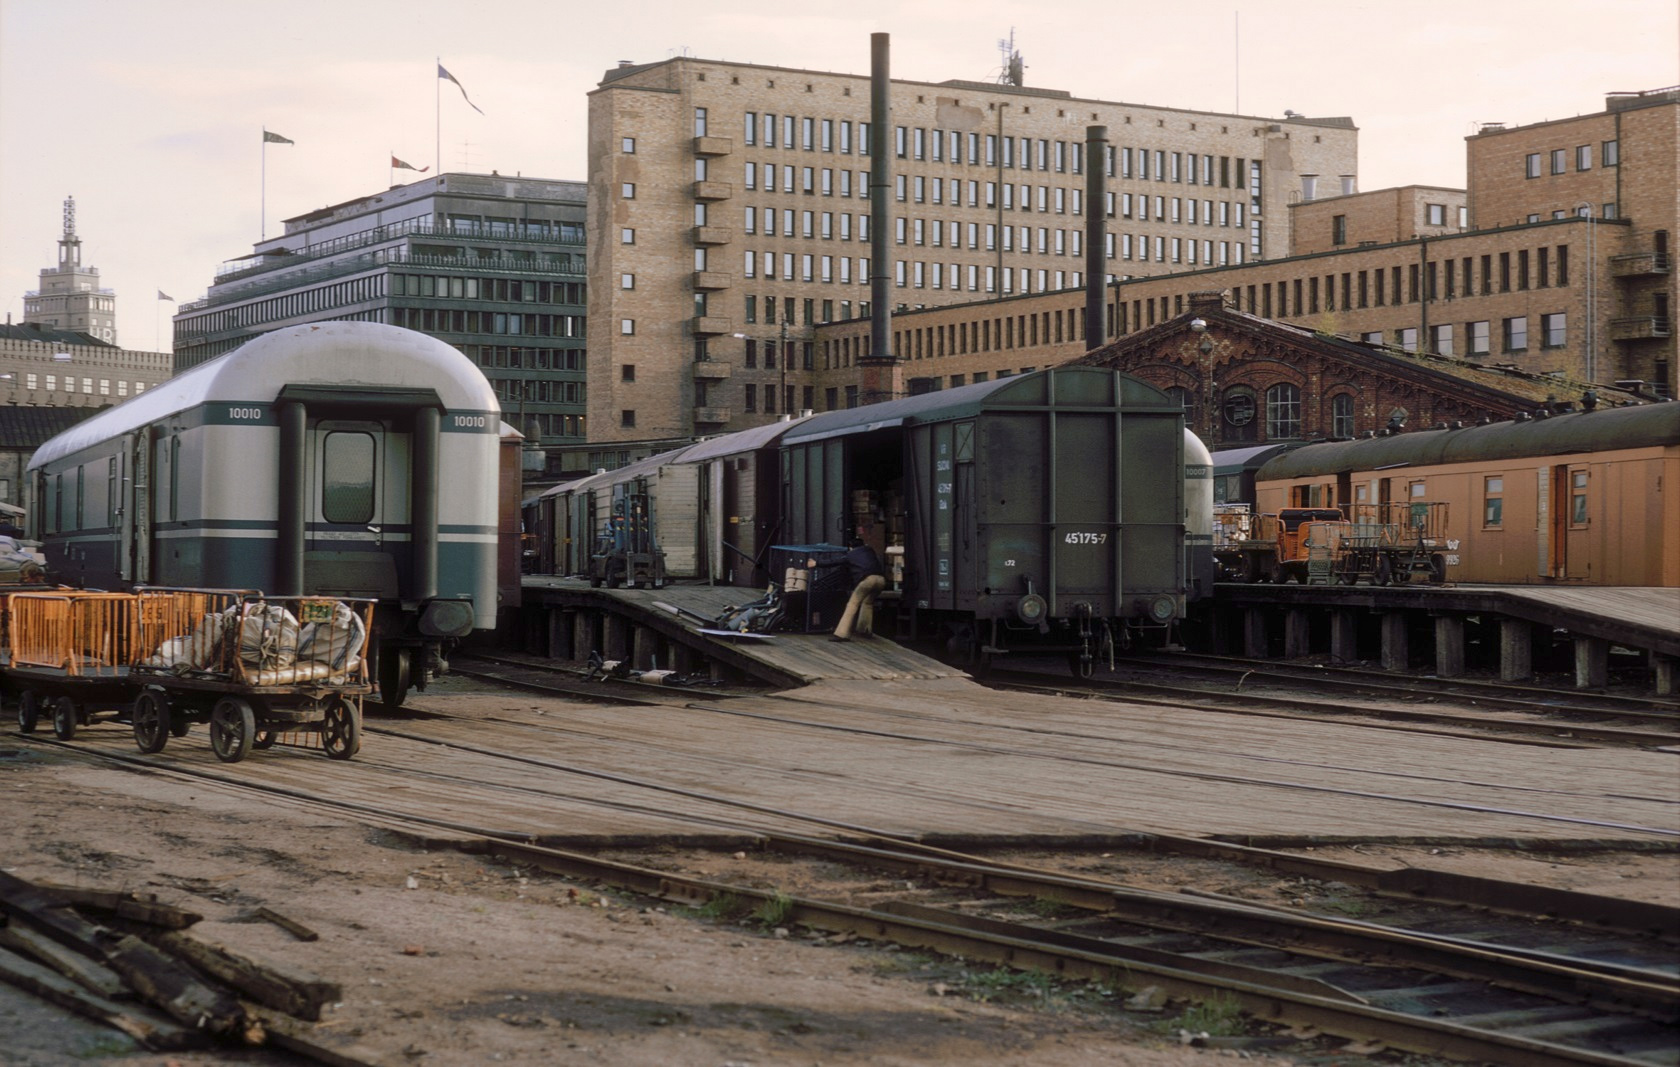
(28, 711)
(64, 718)
(393, 677)
(264, 739)
(151, 721)
(341, 730)
(1385, 570)
(233, 726)
(1437, 568)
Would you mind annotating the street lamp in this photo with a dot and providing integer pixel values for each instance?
(782, 366)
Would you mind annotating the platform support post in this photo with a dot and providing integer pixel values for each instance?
(682, 658)
(1516, 650)
(1449, 646)
(560, 633)
(1344, 637)
(1592, 662)
(586, 631)
(1396, 654)
(1254, 633)
(644, 647)
(1662, 673)
(615, 636)
(1297, 634)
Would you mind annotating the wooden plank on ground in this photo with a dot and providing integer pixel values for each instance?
(271, 985)
(145, 1026)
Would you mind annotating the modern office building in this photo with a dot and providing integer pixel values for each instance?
(494, 265)
(1554, 264)
(729, 217)
(70, 297)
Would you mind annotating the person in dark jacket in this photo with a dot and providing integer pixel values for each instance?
(868, 577)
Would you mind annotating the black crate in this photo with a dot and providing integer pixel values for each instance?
(813, 597)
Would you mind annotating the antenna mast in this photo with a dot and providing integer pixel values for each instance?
(1013, 72)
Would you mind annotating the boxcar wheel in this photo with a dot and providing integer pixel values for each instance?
(151, 721)
(341, 730)
(233, 726)
(393, 677)
(28, 711)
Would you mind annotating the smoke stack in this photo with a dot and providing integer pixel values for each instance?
(880, 370)
(1096, 227)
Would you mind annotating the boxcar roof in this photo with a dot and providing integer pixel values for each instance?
(730, 444)
(325, 353)
(945, 404)
(1235, 459)
(1603, 430)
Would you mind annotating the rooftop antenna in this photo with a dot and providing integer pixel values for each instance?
(1013, 72)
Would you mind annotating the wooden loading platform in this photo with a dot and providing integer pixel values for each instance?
(567, 619)
(1437, 627)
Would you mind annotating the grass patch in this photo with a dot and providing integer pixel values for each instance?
(1004, 982)
(774, 911)
(721, 907)
(1220, 1017)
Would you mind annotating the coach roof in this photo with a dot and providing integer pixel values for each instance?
(1603, 430)
(327, 354)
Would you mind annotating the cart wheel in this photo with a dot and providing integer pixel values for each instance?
(179, 726)
(233, 726)
(1437, 568)
(264, 739)
(64, 718)
(341, 729)
(393, 677)
(151, 721)
(28, 711)
(1385, 570)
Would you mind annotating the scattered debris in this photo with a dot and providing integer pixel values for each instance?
(291, 926)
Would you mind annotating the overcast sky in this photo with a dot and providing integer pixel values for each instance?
(150, 112)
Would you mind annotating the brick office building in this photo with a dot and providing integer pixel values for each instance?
(729, 218)
(1504, 274)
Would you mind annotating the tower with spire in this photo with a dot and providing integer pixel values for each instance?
(70, 297)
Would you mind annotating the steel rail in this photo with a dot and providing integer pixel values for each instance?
(1015, 946)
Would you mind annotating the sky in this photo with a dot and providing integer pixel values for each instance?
(150, 112)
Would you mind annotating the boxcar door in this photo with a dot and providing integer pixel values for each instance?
(358, 509)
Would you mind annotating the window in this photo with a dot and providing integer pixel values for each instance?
(626, 326)
(628, 146)
(699, 122)
(347, 466)
(1493, 501)
(627, 281)
(627, 236)
(1437, 214)
(1583, 157)
(1408, 339)
(627, 190)
(627, 418)
(1441, 339)
(1554, 330)
(1516, 334)
(1532, 165)
(1341, 415)
(1477, 335)
(1610, 154)
(1560, 159)
(1578, 498)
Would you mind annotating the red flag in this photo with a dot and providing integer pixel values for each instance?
(397, 164)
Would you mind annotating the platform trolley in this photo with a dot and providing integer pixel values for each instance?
(67, 655)
(253, 667)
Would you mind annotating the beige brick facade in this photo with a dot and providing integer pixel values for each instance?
(1382, 216)
(701, 229)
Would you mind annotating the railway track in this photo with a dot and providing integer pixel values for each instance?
(1456, 980)
(1519, 713)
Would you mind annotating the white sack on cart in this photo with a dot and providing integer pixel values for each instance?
(197, 649)
(334, 642)
(268, 637)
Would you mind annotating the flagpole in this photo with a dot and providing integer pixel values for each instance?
(437, 115)
(262, 225)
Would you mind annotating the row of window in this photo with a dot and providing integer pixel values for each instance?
(516, 358)
(502, 290)
(447, 320)
(289, 305)
(1558, 159)
(32, 380)
(1445, 338)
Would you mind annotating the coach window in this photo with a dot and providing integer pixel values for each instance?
(1493, 502)
(347, 477)
(1578, 498)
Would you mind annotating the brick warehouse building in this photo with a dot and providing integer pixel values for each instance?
(728, 210)
(1537, 290)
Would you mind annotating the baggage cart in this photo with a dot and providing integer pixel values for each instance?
(67, 656)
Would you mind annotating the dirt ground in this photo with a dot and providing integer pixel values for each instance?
(446, 959)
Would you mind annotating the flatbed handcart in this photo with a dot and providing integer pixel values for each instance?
(253, 667)
(68, 654)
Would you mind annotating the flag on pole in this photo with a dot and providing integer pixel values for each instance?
(270, 137)
(165, 296)
(397, 164)
(442, 73)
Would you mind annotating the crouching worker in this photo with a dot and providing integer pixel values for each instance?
(868, 578)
